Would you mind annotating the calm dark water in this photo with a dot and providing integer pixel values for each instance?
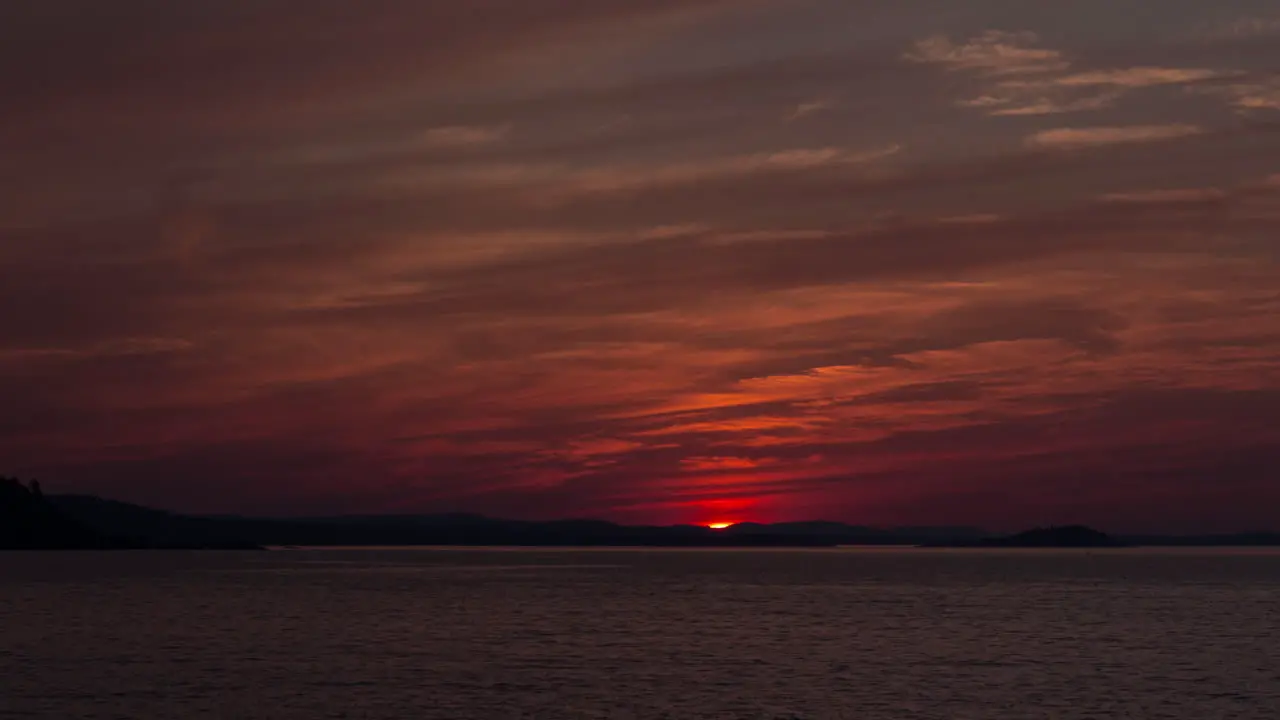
(458, 634)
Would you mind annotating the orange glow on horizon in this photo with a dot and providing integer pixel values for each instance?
(720, 525)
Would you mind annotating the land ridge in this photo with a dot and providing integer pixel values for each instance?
(31, 520)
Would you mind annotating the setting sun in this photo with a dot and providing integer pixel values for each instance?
(720, 525)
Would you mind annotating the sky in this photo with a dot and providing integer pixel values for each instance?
(892, 262)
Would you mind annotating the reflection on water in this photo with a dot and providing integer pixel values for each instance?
(866, 634)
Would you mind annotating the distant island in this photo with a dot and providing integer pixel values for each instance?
(32, 520)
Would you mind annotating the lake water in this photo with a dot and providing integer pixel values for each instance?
(459, 634)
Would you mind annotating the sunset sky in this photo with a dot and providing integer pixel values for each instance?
(996, 262)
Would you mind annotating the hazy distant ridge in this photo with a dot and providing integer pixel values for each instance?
(159, 528)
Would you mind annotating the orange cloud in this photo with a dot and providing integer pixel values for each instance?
(1068, 138)
(995, 52)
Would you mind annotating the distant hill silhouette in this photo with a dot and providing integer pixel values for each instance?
(28, 521)
(1069, 536)
(144, 527)
(165, 529)
(31, 520)
(839, 533)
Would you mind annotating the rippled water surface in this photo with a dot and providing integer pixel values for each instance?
(458, 634)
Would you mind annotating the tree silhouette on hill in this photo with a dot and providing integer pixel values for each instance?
(29, 522)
